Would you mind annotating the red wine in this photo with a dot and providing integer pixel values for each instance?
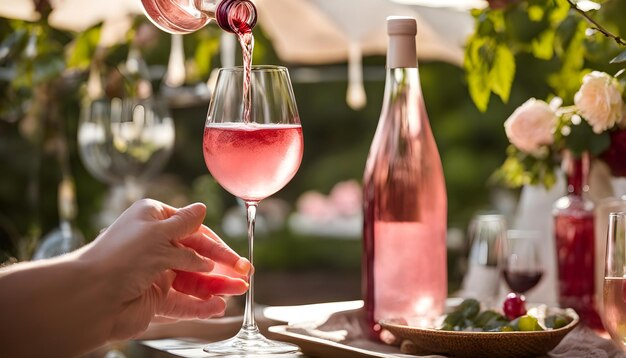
(521, 281)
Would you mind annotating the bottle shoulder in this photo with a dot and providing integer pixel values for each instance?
(573, 204)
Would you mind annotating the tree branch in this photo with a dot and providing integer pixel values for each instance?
(596, 26)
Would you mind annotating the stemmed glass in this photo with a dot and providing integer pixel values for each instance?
(125, 141)
(252, 152)
(520, 262)
(486, 233)
(614, 311)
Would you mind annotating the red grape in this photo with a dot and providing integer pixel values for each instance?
(514, 305)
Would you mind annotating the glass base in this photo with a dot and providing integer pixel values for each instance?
(248, 342)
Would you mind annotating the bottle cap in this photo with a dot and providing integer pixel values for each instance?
(401, 25)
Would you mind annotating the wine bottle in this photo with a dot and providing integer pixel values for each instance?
(186, 16)
(575, 242)
(405, 203)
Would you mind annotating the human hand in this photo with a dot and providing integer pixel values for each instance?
(156, 258)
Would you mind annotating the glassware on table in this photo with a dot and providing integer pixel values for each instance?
(482, 281)
(614, 310)
(520, 260)
(125, 141)
(186, 16)
(125, 138)
(575, 241)
(252, 153)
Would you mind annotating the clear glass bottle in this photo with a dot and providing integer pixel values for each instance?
(405, 203)
(575, 244)
(186, 16)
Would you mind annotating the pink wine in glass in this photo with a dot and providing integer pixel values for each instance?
(615, 309)
(253, 161)
(404, 200)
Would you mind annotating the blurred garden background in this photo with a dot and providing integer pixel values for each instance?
(43, 75)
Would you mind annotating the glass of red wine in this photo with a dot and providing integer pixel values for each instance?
(520, 261)
(252, 146)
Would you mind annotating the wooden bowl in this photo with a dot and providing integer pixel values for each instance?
(480, 344)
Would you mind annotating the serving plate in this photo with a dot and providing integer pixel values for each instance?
(481, 344)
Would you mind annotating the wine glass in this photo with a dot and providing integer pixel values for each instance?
(486, 232)
(252, 152)
(125, 141)
(520, 262)
(614, 312)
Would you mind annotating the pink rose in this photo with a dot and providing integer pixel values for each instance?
(599, 100)
(531, 126)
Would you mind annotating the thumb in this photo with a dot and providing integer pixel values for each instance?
(185, 221)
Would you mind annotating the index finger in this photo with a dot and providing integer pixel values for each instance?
(215, 249)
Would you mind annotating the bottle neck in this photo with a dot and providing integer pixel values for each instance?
(236, 16)
(402, 105)
(577, 169)
(401, 52)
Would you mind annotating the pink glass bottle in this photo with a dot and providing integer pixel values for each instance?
(575, 243)
(186, 16)
(405, 204)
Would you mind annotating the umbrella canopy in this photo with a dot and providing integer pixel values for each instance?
(74, 15)
(329, 31)
(321, 31)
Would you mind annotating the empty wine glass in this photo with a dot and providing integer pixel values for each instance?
(125, 141)
(614, 311)
(520, 262)
(252, 152)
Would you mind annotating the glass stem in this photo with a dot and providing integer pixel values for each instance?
(249, 325)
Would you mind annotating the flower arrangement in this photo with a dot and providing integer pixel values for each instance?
(539, 131)
(562, 50)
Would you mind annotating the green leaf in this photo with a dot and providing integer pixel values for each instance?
(543, 46)
(476, 68)
(619, 58)
(535, 13)
(479, 90)
(502, 73)
(560, 11)
(82, 50)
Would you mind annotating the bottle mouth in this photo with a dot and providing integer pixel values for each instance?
(236, 16)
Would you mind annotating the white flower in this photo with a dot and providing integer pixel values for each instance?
(531, 126)
(599, 100)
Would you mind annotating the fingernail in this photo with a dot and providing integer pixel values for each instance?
(243, 266)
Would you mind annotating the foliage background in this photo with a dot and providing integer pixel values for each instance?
(542, 49)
